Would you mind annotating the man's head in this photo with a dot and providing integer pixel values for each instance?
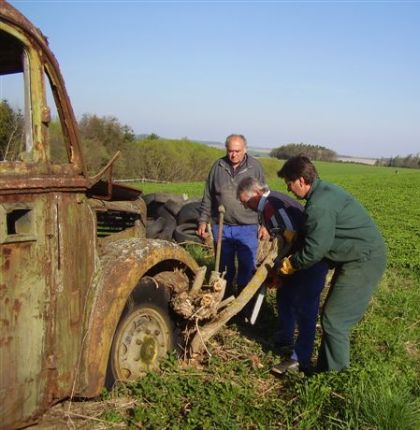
(299, 174)
(235, 149)
(250, 191)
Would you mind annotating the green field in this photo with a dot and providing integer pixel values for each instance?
(233, 388)
(391, 196)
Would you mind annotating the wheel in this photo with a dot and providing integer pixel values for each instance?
(143, 339)
(174, 206)
(154, 227)
(144, 336)
(189, 212)
(170, 224)
(186, 233)
(155, 201)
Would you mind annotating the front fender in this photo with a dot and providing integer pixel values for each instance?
(123, 264)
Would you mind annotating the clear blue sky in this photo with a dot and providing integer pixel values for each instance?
(343, 74)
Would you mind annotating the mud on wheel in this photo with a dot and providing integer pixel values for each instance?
(144, 336)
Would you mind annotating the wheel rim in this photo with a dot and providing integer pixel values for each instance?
(143, 340)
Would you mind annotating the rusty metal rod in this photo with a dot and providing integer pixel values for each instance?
(205, 332)
(219, 238)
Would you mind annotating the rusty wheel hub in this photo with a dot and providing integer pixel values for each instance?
(143, 340)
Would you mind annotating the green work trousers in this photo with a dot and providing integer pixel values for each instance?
(351, 290)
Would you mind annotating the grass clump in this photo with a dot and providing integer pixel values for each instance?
(369, 397)
(217, 396)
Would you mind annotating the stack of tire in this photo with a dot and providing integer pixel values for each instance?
(172, 217)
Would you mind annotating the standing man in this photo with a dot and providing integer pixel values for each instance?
(240, 231)
(339, 229)
(298, 295)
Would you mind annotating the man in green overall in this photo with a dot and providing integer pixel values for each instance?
(339, 229)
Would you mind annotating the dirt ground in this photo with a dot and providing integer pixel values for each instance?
(81, 415)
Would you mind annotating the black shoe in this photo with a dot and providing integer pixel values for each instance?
(308, 371)
(283, 350)
(288, 365)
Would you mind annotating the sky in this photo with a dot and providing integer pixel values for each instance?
(340, 74)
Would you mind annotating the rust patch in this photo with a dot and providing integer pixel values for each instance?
(3, 289)
(5, 322)
(5, 341)
(6, 265)
(7, 252)
(17, 306)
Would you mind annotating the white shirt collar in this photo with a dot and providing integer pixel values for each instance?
(262, 201)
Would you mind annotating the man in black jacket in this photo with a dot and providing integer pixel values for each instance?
(298, 296)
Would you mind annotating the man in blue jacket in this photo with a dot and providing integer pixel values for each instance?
(298, 295)
(339, 229)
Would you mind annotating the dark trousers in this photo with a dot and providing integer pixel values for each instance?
(351, 290)
(298, 306)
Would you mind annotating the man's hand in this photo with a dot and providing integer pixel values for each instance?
(263, 233)
(273, 280)
(286, 267)
(202, 230)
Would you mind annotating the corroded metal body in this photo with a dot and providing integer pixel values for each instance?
(72, 250)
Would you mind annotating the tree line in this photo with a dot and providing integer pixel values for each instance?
(314, 152)
(11, 132)
(148, 156)
(411, 161)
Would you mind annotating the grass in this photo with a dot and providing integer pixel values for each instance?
(233, 388)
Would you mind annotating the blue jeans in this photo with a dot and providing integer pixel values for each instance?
(240, 242)
(298, 305)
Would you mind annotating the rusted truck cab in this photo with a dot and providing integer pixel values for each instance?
(83, 294)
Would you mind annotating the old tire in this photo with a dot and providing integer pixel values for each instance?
(170, 224)
(160, 197)
(186, 233)
(153, 209)
(189, 212)
(174, 206)
(155, 227)
(144, 336)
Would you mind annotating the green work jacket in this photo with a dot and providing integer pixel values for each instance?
(337, 227)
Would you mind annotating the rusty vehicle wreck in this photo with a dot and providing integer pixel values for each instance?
(85, 298)
(80, 295)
